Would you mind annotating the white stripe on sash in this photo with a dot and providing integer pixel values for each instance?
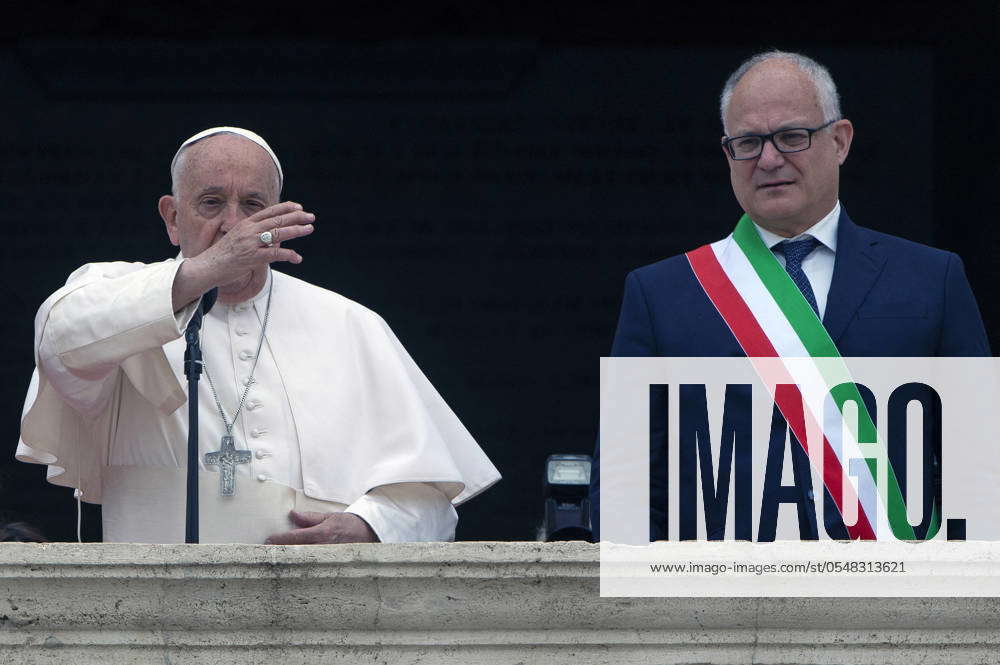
(800, 369)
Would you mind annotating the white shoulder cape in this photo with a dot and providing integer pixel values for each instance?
(365, 414)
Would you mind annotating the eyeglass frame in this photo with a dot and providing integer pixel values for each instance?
(728, 140)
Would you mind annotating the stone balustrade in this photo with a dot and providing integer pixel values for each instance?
(460, 603)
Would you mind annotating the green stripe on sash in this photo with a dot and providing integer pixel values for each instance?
(818, 344)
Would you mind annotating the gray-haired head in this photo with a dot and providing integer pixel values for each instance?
(826, 89)
(176, 164)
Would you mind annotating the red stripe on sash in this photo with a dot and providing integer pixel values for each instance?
(729, 303)
(755, 344)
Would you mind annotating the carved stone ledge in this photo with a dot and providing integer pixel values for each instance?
(468, 603)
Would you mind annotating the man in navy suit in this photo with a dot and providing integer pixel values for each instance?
(876, 294)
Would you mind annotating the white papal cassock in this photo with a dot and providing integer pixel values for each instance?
(338, 417)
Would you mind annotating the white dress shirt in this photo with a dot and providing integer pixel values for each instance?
(818, 266)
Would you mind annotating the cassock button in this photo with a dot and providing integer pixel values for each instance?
(810, 495)
(256, 433)
(245, 355)
(262, 477)
(242, 307)
(241, 331)
(261, 454)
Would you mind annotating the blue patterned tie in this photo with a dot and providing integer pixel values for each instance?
(795, 253)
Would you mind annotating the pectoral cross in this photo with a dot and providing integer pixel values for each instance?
(227, 459)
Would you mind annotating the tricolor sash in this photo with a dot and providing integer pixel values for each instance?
(770, 318)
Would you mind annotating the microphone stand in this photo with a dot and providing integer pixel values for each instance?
(192, 370)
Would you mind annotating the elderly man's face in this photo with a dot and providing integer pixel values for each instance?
(223, 179)
(785, 192)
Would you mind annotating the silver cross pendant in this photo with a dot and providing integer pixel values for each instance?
(226, 459)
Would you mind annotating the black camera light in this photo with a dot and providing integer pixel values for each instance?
(567, 507)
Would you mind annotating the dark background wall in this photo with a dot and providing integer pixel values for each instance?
(484, 174)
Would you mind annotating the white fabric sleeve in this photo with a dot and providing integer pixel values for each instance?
(105, 314)
(407, 512)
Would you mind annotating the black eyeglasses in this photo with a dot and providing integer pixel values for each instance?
(794, 139)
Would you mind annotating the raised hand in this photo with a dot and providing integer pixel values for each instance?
(241, 249)
(240, 253)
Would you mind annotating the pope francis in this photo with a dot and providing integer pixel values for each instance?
(339, 435)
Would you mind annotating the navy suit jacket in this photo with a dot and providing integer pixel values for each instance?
(888, 297)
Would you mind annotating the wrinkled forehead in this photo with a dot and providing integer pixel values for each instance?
(220, 159)
(773, 88)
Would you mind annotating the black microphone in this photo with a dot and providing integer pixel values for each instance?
(207, 300)
(192, 369)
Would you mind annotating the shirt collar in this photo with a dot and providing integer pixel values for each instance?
(825, 230)
(261, 296)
